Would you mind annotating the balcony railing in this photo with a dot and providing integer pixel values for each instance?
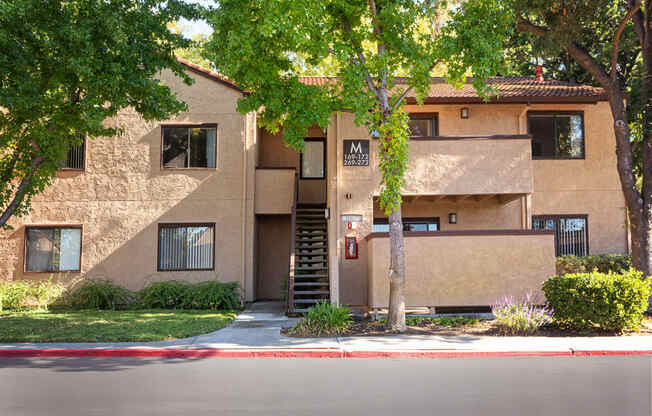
(468, 165)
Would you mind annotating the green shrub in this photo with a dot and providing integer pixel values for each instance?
(101, 294)
(612, 301)
(211, 295)
(604, 263)
(174, 294)
(323, 318)
(171, 294)
(23, 294)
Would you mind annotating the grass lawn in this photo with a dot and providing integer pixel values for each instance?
(61, 325)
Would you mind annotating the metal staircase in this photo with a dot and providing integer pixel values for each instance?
(308, 283)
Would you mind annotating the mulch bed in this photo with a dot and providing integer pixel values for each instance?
(368, 327)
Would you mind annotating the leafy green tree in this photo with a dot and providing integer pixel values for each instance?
(65, 67)
(368, 42)
(612, 41)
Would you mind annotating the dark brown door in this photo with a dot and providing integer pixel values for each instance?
(272, 255)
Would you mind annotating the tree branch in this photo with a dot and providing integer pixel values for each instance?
(409, 88)
(578, 53)
(20, 192)
(360, 54)
(614, 56)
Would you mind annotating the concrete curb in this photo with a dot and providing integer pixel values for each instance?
(298, 353)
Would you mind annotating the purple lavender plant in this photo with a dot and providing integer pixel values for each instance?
(520, 316)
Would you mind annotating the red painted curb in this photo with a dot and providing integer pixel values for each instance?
(299, 353)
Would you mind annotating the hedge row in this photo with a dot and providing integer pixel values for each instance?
(606, 301)
(102, 294)
(604, 263)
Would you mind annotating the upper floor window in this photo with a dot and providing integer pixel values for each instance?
(52, 248)
(381, 225)
(557, 135)
(189, 146)
(571, 232)
(186, 247)
(423, 125)
(313, 159)
(75, 158)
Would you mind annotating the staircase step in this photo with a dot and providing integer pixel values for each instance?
(311, 292)
(311, 227)
(302, 210)
(310, 284)
(307, 268)
(311, 253)
(312, 261)
(306, 241)
(309, 300)
(310, 276)
(312, 221)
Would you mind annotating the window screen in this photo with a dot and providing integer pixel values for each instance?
(571, 232)
(423, 126)
(381, 225)
(312, 159)
(189, 147)
(557, 135)
(52, 249)
(186, 247)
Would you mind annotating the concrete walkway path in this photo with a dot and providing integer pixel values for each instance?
(258, 328)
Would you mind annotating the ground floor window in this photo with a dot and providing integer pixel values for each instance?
(571, 232)
(52, 248)
(186, 247)
(381, 225)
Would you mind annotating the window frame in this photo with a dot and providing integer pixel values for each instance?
(162, 225)
(559, 113)
(188, 126)
(408, 220)
(79, 227)
(434, 120)
(83, 151)
(315, 178)
(556, 218)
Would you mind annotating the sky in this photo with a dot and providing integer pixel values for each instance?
(192, 28)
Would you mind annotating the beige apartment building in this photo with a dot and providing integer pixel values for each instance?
(494, 191)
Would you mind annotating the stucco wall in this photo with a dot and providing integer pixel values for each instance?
(463, 270)
(274, 191)
(124, 193)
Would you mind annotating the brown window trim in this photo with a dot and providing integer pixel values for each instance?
(433, 117)
(556, 217)
(463, 233)
(179, 225)
(407, 220)
(313, 139)
(561, 113)
(49, 226)
(190, 126)
(451, 138)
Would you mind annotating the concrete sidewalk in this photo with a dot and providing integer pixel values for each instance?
(257, 332)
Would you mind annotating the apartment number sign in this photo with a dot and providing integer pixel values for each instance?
(356, 152)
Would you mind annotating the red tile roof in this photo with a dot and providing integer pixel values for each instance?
(209, 74)
(509, 89)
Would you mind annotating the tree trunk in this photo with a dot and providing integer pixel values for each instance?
(396, 314)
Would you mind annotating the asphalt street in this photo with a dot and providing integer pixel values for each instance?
(218, 386)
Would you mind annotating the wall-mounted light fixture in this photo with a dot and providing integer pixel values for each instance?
(452, 218)
(464, 112)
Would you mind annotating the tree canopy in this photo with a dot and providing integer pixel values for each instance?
(65, 67)
(369, 43)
